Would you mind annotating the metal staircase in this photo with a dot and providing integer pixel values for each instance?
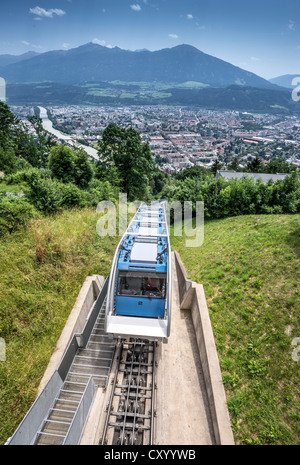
(93, 361)
(59, 413)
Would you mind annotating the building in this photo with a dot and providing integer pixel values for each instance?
(264, 177)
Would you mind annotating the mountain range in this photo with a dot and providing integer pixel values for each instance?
(93, 62)
(183, 75)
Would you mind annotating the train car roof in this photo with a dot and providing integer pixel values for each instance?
(145, 242)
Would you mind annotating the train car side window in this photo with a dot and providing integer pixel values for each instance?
(141, 284)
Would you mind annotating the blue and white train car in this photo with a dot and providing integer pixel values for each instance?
(139, 287)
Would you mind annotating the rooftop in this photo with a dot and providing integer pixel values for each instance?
(264, 177)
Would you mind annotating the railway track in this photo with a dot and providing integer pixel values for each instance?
(131, 410)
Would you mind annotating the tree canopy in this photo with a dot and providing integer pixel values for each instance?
(69, 166)
(126, 161)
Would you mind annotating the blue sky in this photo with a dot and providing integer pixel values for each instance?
(260, 36)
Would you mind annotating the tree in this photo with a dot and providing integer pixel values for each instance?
(125, 161)
(62, 162)
(234, 164)
(70, 167)
(277, 165)
(7, 118)
(216, 166)
(8, 159)
(255, 165)
(83, 169)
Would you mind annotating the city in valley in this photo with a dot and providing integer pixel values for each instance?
(184, 137)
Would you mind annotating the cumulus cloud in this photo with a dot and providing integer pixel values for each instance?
(42, 13)
(173, 36)
(136, 7)
(189, 16)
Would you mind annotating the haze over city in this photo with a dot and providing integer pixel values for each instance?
(261, 37)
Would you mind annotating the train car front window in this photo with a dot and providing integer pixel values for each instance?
(142, 284)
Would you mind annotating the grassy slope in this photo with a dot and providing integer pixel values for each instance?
(250, 270)
(249, 267)
(42, 270)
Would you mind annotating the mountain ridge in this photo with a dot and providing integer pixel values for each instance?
(7, 59)
(94, 62)
(285, 80)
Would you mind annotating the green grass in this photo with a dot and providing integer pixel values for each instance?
(14, 188)
(102, 92)
(249, 267)
(42, 271)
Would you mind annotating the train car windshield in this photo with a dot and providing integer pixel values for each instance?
(141, 284)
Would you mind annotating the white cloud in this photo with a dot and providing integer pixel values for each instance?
(136, 7)
(98, 41)
(28, 44)
(65, 46)
(291, 25)
(101, 42)
(255, 59)
(42, 13)
(189, 16)
(173, 36)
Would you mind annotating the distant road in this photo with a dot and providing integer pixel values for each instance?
(47, 124)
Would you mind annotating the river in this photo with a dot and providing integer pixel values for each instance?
(48, 126)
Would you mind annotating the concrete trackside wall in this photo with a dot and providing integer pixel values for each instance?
(192, 298)
(75, 323)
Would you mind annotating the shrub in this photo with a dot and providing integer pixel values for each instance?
(15, 212)
(102, 190)
(72, 196)
(25, 175)
(237, 196)
(45, 194)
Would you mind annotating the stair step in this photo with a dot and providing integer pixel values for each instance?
(61, 415)
(61, 404)
(92, 361)
(49, 439)
(56, 427)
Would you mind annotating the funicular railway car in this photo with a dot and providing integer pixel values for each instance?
(139, 288)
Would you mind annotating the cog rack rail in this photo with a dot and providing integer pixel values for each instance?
(131, 409)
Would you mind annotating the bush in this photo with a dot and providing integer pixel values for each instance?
(102, 190)
(72, 196)
(45, 194)
(15, 212)
(237, 196)
(25, 175)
